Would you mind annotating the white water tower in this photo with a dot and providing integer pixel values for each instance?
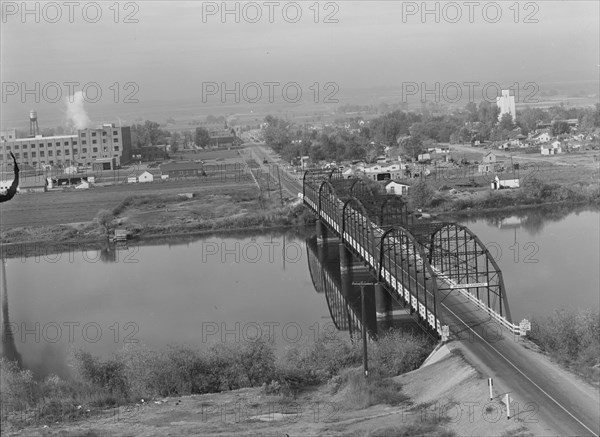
(33, 124)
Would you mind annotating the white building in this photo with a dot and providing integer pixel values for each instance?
(544, 137)
(145, 176)
(141, 176)
(506, 103)
(489, 158)
(498, 184)
(552, 149)
(382, 172)
(397, 188)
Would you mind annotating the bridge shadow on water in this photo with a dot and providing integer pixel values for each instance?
(382, 311)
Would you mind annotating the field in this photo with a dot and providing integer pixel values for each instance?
(71, 206)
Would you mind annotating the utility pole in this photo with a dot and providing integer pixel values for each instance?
(280, 191)
(364, 324)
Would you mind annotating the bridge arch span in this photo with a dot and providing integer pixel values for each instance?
(328, 206)
(460, 257)
(403, 266)
(357, 229)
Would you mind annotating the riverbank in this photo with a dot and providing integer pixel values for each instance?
(155, 217)
(444, 397)
(151, 216)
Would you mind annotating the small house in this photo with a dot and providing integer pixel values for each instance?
(544, 137)
(397, 188)
(498, 184)
(490, 158)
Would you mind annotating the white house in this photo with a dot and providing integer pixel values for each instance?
(397, 188)
(552, 149)
(424, 157)
(145, 176)
(544, 137)
(490, 158)
(486, 168)
(142, 176)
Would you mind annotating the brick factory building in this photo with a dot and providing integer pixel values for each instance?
(106, 145)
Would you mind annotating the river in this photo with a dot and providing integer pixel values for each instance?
(236, 288)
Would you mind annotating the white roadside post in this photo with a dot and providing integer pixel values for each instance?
(490, 385)
(524, 326)
(507, 401)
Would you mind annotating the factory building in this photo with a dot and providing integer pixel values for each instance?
(106, 147)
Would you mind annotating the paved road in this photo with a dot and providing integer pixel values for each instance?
(569, 406)
(289, 181)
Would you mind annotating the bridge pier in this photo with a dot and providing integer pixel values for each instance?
(322, 233)
(353, 270)
(383, 301)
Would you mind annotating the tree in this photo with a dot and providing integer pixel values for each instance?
(421, 194)
(506, 122)
(105, 219)
(175, 138)
(277, 133)
(560, 127)
(471, 110)
(411, 146)
(187, 138)
(201, 137)
(148, 134)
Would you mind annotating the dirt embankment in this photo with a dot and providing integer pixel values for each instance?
(447, 397)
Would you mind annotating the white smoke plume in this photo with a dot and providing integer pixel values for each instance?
(77, 118)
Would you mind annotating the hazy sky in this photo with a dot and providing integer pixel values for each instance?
(175, 47)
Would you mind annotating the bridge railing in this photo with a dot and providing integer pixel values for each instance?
(447, 253)
(349, 220)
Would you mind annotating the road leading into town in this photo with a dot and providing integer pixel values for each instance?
(290, 182)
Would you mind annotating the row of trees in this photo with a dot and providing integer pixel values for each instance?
(150, 133)
(412, 132)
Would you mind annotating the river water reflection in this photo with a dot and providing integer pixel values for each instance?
(237, 287)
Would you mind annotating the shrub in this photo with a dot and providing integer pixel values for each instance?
(397, 352)
(18, 390)
(573, 337)
(421, 194)
(322, 359)
(374, 390)
(108, 375)
(105, 219)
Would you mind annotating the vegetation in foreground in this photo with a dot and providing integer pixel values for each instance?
(141, 373)
(573, 339)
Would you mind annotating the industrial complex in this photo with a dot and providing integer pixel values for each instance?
(104, 147)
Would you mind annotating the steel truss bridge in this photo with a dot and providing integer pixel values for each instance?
(418, 263)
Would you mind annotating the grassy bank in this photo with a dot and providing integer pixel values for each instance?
(152, 215)
(533, 193)
(141, 373)
(573, 339)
